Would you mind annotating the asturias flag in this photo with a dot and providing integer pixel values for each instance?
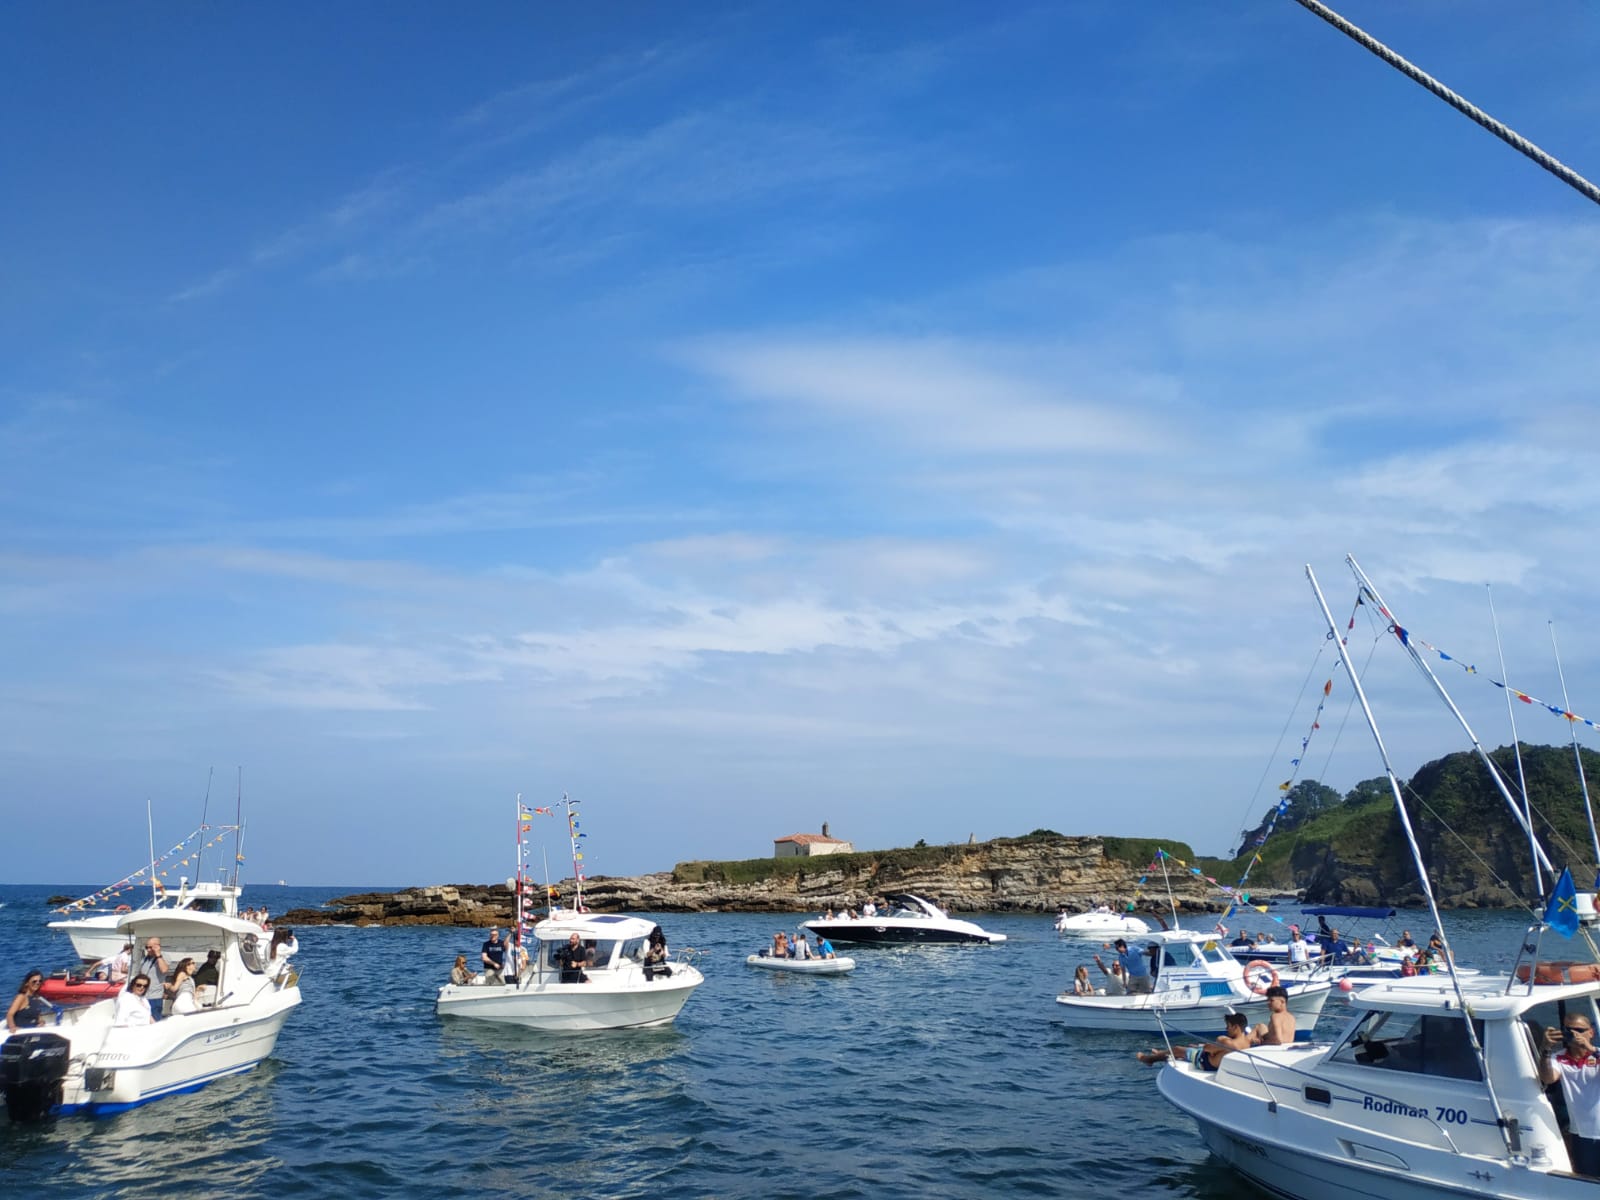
(1561, 913)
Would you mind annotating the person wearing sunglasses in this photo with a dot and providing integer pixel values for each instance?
(28, 1008)
(1569, 1055)
(133, 1005)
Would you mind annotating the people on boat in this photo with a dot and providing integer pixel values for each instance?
(1278, 1029)
(120, 963)
(155, 970)
(1405, 942)
(182, 1001)
(799, 948)
(1116, 983)
(572, 959)
(206, 974)
(1243, 940)
(1299, 952)
(1265, 938)
(1207, 1055)
(459, 975)
(780, 945)
(132, 1005)
(827, 914)
(824, 948)
(494, 958)
(28, 1008)
(1335, 948)
(284, 944)
(1408, 967)
(1135, 970)
(1569, 1056)
(869, 909)
(655, 955)
(1082, 985)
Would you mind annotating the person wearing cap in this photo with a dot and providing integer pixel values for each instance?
(494, 958)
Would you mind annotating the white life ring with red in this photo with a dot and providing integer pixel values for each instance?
(124, 908)
(1272, 976)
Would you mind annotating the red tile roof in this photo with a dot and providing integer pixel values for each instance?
(808, 839)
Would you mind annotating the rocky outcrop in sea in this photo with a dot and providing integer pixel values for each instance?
(1032, 874)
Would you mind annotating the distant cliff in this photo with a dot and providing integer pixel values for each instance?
(1037, 873)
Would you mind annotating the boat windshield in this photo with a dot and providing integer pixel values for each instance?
(1213, 952)
(601, 951)
(1416, 1043)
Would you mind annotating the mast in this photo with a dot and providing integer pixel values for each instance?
(1416, 850)
(1167, 879)
(1516, 747)
(150, 832)
(1577, 755)
(238, 826)
(517, 893)
(1494, 772)
(577, 854)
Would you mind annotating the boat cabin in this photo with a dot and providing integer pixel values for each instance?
(612, 941)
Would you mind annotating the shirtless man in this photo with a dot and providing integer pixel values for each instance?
(1278, 1030)
(1207, 1056)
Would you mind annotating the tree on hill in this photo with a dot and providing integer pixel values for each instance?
(1306, 800)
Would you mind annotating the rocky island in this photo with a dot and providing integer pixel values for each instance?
(1329, 848)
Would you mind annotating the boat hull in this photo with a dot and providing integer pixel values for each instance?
(1155, 1012)
(574, 1007)
(802, 966)
(113, 1069)
(1287, 1154)
(907, 933)
(1101, 925)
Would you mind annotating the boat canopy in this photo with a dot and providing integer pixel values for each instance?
(586, 925)
(1335, 910)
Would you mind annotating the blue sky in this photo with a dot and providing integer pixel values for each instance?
(914, 417)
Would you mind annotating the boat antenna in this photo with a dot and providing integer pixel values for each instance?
(1510, 137)
(238, 824)
(1416, 857)
(1516, 747)
(150, 831)
(1494, 772)
(205, 809)
(1577, 754)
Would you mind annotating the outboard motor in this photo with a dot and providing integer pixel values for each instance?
(32, 1066)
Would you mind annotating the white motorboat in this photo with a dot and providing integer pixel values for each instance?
(1100, 922)
(100, 936)
(618, 990)
(911, 920)
(1434, 1089)
(86, 1062)
(768, 961)
(1197, 985)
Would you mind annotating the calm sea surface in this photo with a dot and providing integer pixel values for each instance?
(928, 1072)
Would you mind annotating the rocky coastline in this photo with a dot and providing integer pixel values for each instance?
(1018, 875)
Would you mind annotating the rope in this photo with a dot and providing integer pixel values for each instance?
(1510, 137)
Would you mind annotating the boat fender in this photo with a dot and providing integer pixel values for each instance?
(124, 908)
(1254, 979)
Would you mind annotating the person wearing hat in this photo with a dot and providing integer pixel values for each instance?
(494, 958)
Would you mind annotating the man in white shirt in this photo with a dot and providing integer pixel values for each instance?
(132, 1006)
(1298, 953)
(1569, 1055)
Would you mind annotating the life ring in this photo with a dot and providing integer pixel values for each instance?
(124, 908)
(1253, 982)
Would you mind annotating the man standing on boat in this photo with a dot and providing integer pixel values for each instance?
(1135, 970)
(1569, 1055)
(494, 958)
(155, 970)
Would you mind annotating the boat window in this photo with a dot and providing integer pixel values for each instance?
(1416, 1043)
(1179, 954)
(1215, 953)
(206, 904)
(633, 949)
(1551, 1014)
(253, 952)
(601, 952)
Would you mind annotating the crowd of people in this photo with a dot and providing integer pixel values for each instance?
(501, 962)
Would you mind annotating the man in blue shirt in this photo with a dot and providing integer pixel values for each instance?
(1134, 967)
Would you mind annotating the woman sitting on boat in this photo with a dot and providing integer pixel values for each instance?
(183, 1001)
(1082, 985)
(459, 975)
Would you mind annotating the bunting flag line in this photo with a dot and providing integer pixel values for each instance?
(1408, 638)
(153, 871)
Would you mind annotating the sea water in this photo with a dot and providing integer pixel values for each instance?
(930, 1071)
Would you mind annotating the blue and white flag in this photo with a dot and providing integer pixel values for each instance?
(1561, 913)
